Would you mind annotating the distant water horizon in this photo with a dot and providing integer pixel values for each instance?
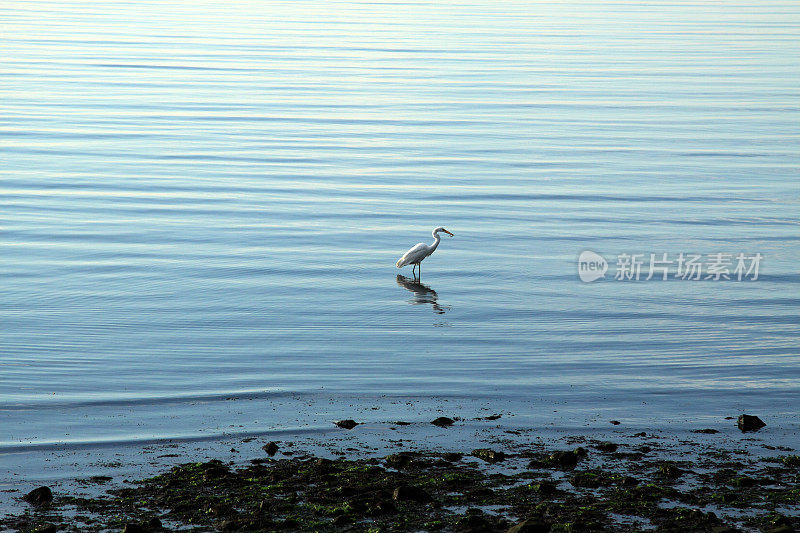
(202, 205)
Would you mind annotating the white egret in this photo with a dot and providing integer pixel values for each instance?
(420, 251)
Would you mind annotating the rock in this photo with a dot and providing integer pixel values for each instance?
(474, 523)
(154, 523)
(589, 480)
(443, 422)
(749, 423)
(452, 457)
(744, 482)
(398, 460)
(567, 459)
(629, 481)
(215, 470)
(220, 509)
(346, 424)
(131, 527)
(724, 529)
(781, 529)
(481, 493)
(490, 417)
(405, 493)
(357, 505)
(606, 446)
(289, 523)
(342, 520)
(707, 431)
(40, 496)
(616, 422)
(46, 528)
(791, 460)
(384, 507)
(670, 470)
(781, 524)
(402, 423)
(545, 488)
(531, 525)
(490, 456)
(265, 506)
(271, 448)
(230, 525)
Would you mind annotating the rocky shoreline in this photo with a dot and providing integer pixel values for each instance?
(639, 482)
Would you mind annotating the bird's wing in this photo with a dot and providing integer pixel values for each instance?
(416, 253)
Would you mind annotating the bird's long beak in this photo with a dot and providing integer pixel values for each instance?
(448, 233)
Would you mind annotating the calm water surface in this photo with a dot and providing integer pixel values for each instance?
(201, 204)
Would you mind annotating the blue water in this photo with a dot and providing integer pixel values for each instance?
(201, 205)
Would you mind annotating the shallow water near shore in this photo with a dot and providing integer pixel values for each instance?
(201, 206)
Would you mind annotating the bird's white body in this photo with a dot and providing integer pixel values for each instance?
(421, 250)
(417, 253)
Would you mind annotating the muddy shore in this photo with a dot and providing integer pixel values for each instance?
(638, 481)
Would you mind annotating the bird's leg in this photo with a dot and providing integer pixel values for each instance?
(420, 271)
(414, 270)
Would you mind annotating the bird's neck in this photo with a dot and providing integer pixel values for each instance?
(436, 240)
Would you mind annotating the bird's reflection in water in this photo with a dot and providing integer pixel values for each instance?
(422, 294)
